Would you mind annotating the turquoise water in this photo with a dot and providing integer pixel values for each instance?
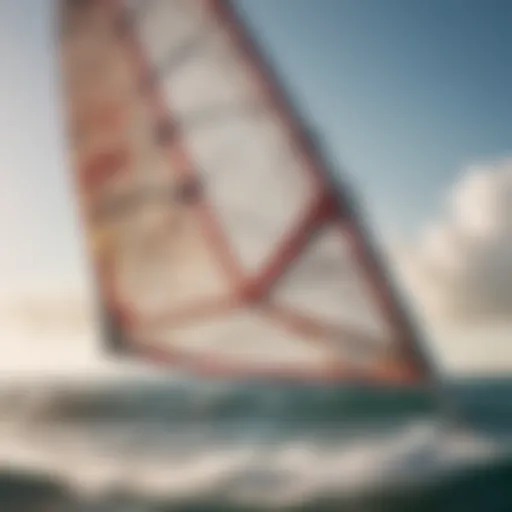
(182, 445)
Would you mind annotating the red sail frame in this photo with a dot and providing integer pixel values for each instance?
(328, 207)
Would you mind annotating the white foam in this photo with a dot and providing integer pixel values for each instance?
(161, 460)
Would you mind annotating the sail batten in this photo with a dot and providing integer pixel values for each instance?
(219, 240)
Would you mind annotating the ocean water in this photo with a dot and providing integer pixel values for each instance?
(177, 444)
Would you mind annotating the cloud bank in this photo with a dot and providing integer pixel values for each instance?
(460, 268)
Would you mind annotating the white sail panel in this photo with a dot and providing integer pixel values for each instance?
(237, 338)
(156, 241)
(156, 252)
(218, 240)
(320, 281)
(258, 184)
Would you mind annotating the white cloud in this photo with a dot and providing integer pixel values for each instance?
(460, 268)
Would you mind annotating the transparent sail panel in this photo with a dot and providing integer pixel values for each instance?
(217, 241)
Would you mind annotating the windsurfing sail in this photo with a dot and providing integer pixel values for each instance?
(220, 240)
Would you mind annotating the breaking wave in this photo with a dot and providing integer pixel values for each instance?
(187, 445)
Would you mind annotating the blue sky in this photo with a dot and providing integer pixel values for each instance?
(36, 210)
(405, 92)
